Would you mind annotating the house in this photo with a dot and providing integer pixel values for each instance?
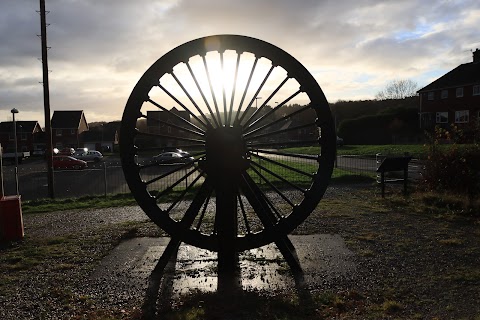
(168, 123)
(103, 137)
(28, 136)
(67, 127)
(453, 98)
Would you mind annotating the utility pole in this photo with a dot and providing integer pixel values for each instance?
(46, 101)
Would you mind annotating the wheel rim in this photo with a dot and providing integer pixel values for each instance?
(233, 139)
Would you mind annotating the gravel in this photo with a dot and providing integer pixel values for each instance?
(425, 265)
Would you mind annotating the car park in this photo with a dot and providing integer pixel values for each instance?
(172, 157)
(91, 155)
(68, 162)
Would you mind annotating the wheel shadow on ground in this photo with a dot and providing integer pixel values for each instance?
(162, 299)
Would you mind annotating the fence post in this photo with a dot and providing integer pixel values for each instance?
(105, 177)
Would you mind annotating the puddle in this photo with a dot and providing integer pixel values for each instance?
(323, 258)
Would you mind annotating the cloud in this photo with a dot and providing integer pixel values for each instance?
(99, 49)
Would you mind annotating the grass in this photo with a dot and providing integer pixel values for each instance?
(419, 151)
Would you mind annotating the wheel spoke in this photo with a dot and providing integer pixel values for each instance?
(175, 115)
(273, 187)
(244, 214)
(173, 125)
(201, 92)
(256, 93)
(202, 215)
(252, 117)
(256, 199)
(184, 192)
(166, 136)
(310, 175)
(207, 121)
(278, 177)
(182, 105)
(166, 174)
(212, 92)
(223, 90)
(246, 90)
(308, 125)
(170, 188)
(233, 90)
(172, 161)
(192, 211)
(291, 115)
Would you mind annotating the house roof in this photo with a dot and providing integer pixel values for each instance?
(464, 74)
(22, 126)
(67, 119)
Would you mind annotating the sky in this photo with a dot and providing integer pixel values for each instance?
(100, 48)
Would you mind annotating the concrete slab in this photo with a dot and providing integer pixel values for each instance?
(323, 257)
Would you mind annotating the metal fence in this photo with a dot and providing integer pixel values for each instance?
(106, 178)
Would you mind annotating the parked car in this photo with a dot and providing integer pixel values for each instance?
(176, 150)
(64, 151)
(68, 162)
(91, 155)
(172, 157)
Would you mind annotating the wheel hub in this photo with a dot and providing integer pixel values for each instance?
(226, 153)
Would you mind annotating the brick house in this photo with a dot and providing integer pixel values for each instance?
(168, 123)
(28, 135)
(453, 98)
(67, 126)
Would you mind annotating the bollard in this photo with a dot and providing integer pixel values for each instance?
(11, 222)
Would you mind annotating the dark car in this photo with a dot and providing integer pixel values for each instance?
(68, 162)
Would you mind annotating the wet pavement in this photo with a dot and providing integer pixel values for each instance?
(324, 259)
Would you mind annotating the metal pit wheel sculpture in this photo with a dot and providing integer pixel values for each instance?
(234, 103)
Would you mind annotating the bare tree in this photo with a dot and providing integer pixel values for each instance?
(398, 89)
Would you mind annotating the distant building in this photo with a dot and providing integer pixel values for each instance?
(167, 124)
(67, 127)
(453, 98)
(28, 135)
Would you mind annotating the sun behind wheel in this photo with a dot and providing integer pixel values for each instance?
(239, 107)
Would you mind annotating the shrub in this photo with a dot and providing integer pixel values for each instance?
(454, 169)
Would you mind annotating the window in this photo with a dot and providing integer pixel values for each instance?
(461, 116)
(58, 132)
(442, 117)
(459, 92)
(476, 90)
(430, 95)
(444, 94)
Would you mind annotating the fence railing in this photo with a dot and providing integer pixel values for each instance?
(106, 178)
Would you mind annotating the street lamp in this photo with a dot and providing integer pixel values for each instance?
(256, 100)
(14, 111)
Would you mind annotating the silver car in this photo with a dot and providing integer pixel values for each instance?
(91, 155)
(172, 157)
